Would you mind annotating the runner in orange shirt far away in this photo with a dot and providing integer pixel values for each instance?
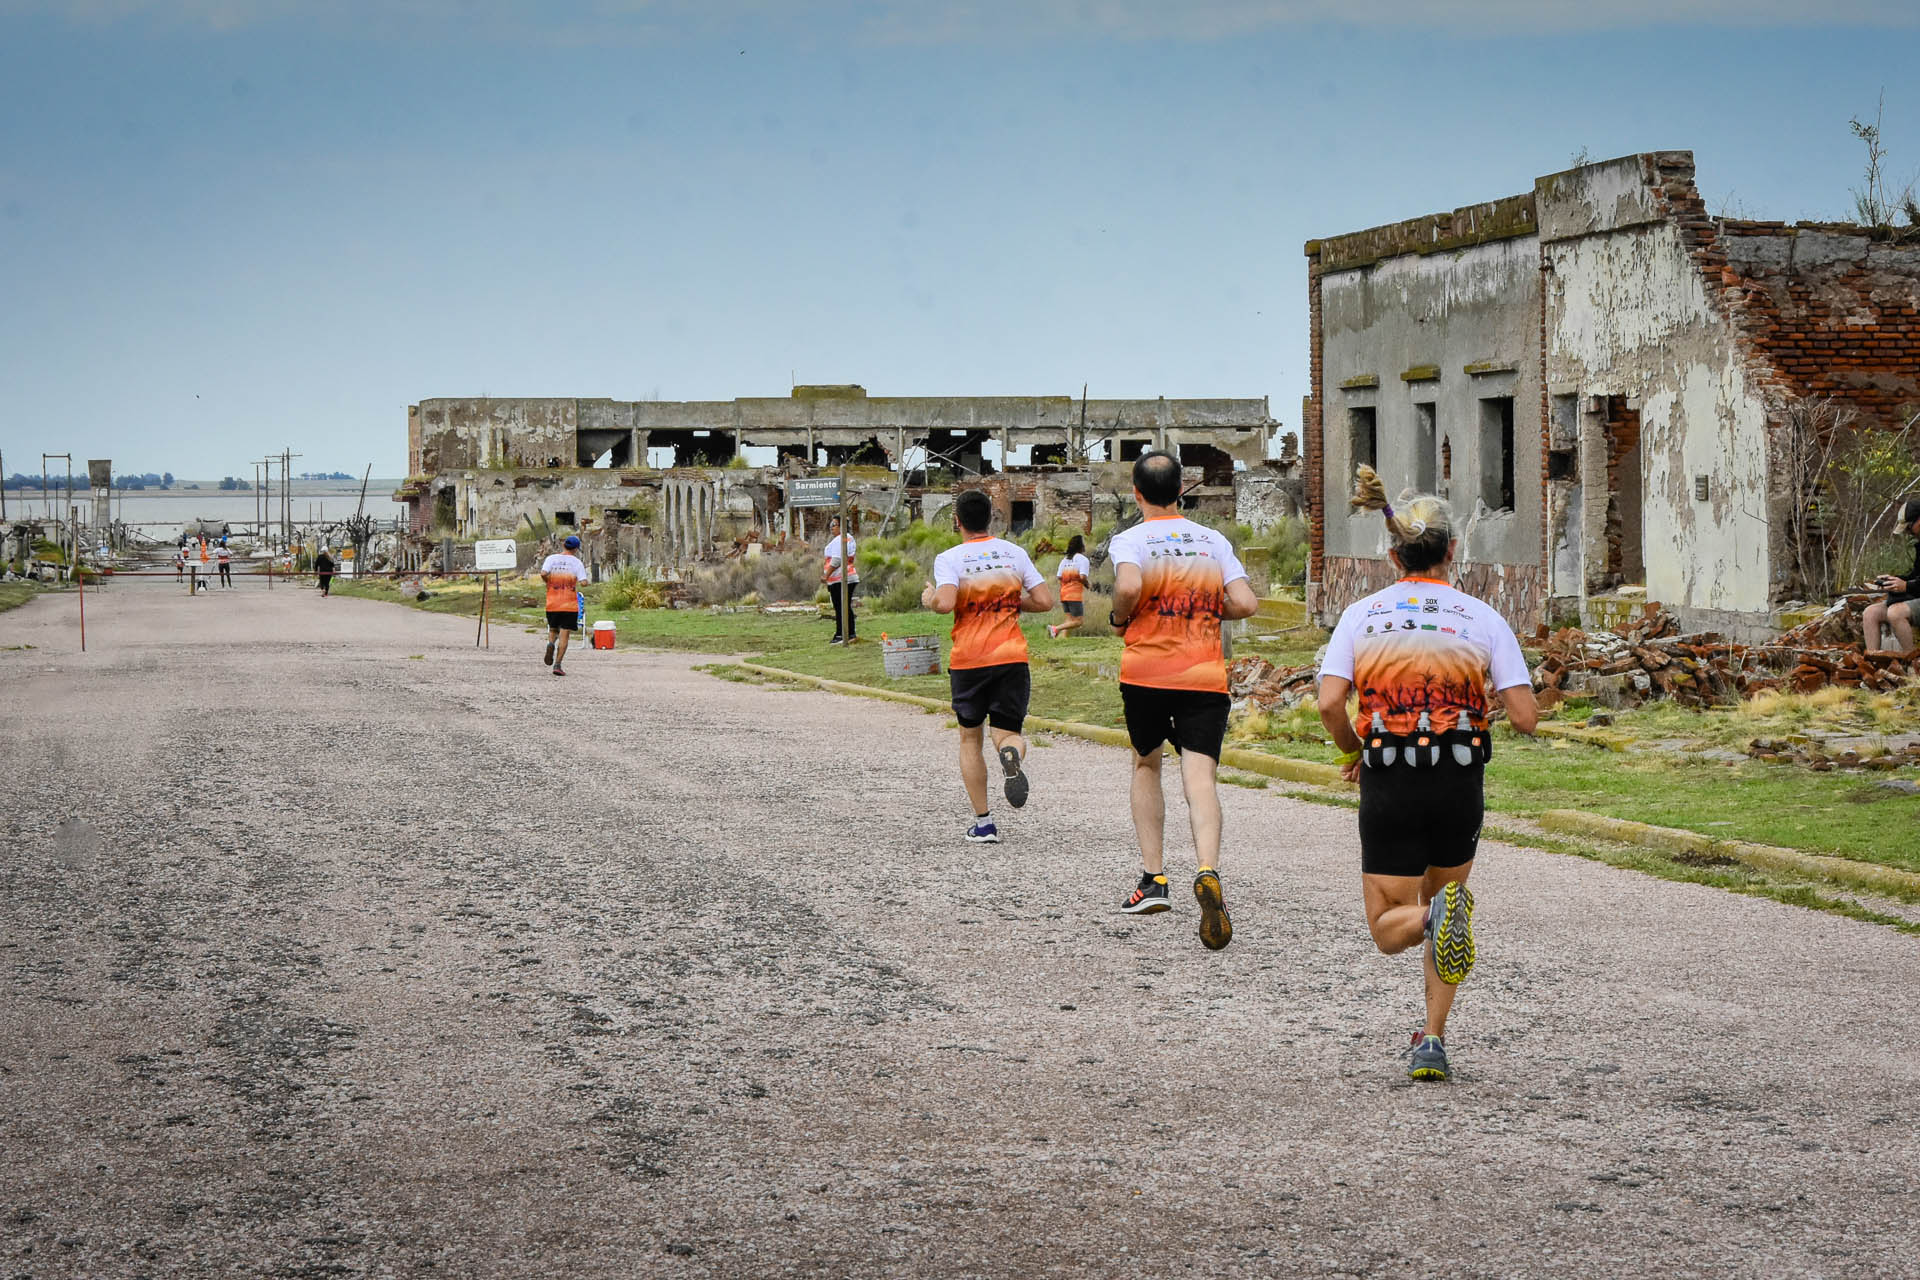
(986, 583)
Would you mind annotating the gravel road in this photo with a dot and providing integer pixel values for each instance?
(334, 946)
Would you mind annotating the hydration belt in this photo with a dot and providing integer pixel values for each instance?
(1423, 748)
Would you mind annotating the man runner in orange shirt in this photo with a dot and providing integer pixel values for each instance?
(986, 584)
(1174, 581)
(563, 573)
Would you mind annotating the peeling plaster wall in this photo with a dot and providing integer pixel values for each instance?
(1439, 313)
(1628, 315)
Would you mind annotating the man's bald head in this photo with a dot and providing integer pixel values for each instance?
(1156, 476)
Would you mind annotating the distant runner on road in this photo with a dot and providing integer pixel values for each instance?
(1074, 574)
(225, 556)
(564, 575)
(986, 583)
(1174, 581)
(323, 566)
(1422, 656)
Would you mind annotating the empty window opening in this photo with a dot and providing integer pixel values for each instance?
(1560, 464)
(1626, 560)
(1425, 455)
(563, 517)
(1022, 517)
(1363, 436)
(1496, 452)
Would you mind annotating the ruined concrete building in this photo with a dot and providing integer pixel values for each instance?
(1598, 375)
(486, 467)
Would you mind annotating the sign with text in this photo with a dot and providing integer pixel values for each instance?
(814, 491)
(495, 553)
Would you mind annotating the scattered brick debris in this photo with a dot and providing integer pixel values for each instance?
(1648, 659)
(1255, 681)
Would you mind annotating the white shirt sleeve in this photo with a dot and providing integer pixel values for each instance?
(1508, 666)
(1029, 576)
(946, 568)
(1122, 549)
(1338, 661)
(1231, 569)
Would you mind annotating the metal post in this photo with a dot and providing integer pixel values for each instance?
(481, 622)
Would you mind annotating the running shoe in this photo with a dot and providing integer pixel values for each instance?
(838, 640)
(557, 670)
(983, 832)
(1051, 632)
(1149, 896)
(1016, 780)
(1216, 929)
(1428, 1060)
(1450, 932)
(548, 660)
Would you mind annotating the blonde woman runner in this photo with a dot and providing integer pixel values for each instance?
(1421, 656)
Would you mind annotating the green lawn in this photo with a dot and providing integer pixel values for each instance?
(15, 594)
(1076, 679)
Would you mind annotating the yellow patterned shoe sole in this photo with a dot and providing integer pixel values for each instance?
(1216, 928)
(1453, 952)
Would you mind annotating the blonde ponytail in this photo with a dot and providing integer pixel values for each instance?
(1421, 529)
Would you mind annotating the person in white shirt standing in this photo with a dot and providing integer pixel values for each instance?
(838, 563)
(564, 574)
(1421, 656)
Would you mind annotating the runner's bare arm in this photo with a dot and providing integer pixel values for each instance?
(1240, 602)
(938, 599)
(1523, 713)
(1333, 714)
(1038, 599)
(1126, 592)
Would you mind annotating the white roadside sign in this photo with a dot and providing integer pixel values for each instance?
(494, 553)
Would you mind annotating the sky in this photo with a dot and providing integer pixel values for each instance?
(229, 227)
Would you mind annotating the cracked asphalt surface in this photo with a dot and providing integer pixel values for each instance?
(334, 947)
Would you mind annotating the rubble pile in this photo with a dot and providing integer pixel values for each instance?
(1807, 752)
(1255, 681)
(1648, 658)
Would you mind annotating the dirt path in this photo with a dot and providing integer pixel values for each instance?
(391, 957)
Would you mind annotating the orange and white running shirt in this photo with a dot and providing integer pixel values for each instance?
(564, 573)
(833, 553)
(989, 576)
(1421, 646)
(1173, 638)
(1073, 574)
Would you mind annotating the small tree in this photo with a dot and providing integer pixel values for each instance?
(1877, 204)
(1845, 483)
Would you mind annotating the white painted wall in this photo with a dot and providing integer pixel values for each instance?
(1628, 315)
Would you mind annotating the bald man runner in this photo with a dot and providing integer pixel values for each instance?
(1174, 581)
(986, 583)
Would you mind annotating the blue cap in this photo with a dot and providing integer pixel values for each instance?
(573, 541)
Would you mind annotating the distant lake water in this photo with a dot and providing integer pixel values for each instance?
(160, 511)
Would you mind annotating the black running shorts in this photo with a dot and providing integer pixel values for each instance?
(992, 694)
(1074, 608)
(563, 619)
(1191, 720)
(1412, 819)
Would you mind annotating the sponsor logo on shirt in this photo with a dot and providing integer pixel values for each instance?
(1430, 605)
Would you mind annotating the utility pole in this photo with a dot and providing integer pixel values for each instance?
(46, 500)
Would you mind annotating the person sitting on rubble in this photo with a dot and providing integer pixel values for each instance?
(1896, 612)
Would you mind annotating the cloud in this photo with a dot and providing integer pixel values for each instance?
(958, 21)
